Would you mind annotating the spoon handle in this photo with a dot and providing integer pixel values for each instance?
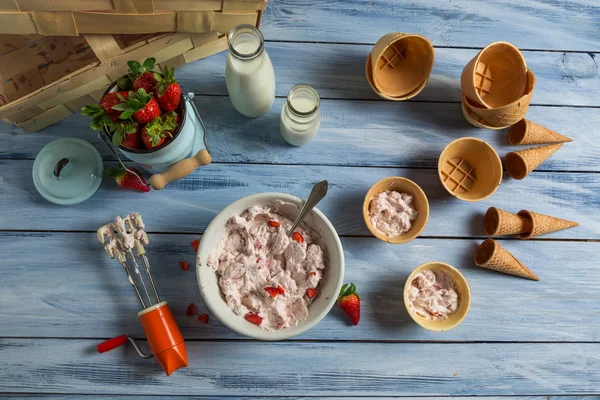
(316, 195)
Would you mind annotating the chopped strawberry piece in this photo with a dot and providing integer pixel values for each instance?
(274, 224)
(254, 318)
(298, 237)
(279, 325)
(184, 265)
(280, 289)
(312, 273)
(195, 244)
(311, 292)
(203, 318)
(191, 310)
(272, 291)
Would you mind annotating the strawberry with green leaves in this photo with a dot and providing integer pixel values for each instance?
(127, 180)
(142, 74)
(349, 302)
(99, 116)
(168, 91)
(139, 104)
(156, 132)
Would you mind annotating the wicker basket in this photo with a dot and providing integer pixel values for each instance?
(52, 65)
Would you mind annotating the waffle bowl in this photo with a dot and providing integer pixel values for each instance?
(401, 64)
(473, 118)
(369, 75)
(528, 132)
(470, 169)
(496, 77)
(420, 203)
(504, 116)
(462, 289)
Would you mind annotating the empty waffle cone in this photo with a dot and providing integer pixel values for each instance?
(542, 224)
(520, 163)
(500, 223)
(401, 64)
(496, 76)
(491, 255)
(369, 75)
(527, 132)
(505, 116)
(470, 169)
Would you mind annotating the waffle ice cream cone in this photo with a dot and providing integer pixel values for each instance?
(542, 224)
(401, 64)
(501, 223)
(496, 76)
(519, 164)
(507, 115)
(491, 255)
(527, 132)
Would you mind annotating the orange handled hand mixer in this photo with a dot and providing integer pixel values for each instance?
(120, 239)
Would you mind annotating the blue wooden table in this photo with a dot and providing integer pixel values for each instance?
(60, 295)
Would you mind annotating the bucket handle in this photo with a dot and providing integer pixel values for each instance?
(184, 167)
(180, 169)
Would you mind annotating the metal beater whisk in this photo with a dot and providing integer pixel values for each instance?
(120, 238)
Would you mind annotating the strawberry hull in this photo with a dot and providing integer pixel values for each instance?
(188, 139)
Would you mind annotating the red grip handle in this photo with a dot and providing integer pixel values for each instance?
(112, 344)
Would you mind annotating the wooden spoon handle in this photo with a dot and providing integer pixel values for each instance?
(180, 169)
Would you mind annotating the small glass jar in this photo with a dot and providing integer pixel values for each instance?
(249, 73)
(301, 115)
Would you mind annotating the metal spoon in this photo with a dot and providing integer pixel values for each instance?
(316, 195)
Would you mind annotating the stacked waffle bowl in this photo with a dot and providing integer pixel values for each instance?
(398, 68)
(496, 87)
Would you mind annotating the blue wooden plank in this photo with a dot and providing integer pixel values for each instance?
(190, 204)
(338, 71)
(131, 397)
(352, 133)
(87, 287)
(301, 369)
(551, 24)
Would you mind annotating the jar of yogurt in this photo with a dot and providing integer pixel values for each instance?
(300, 116)
(249, 74)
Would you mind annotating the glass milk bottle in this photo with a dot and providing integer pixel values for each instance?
(300, 116)
(249, 73)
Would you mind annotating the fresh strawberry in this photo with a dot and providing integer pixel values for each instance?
(195, 244)
(109, 100)
(136, 69)
(168, 91)
(127, 180)
(272, 291)
(184, 265)
(139, 104)
(274, 224)
(191, 310)
(349, 302)
(311, 292)
(146, 81)
(203, 318)
(254, 318)
(156, 132)
(280, 289)
(133, 140)
(298, 237)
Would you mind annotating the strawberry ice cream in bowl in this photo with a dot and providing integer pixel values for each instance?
(262, 283)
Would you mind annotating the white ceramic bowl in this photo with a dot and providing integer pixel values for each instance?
(329, 287)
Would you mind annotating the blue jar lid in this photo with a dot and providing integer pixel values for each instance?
(68, 171)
